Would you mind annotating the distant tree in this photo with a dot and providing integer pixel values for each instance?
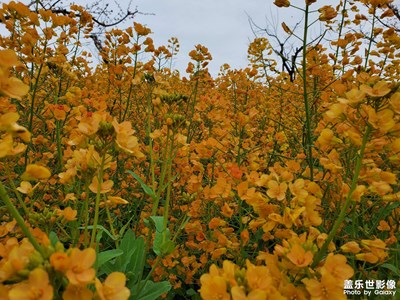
(104, 14)
(282, 46)
(393, 12)
(286, 46)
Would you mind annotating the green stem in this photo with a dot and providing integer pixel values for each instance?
(20, 200)
(58, 138)
(153, 180)
(21, 222)
(110, 221)
(140, 285)
(164, 168)
(340, 30)
(86, 214)
(169, 184)
(305, 97)
(31, 111)
(59, 146)
(98, 196)
(297, 7)
(348, 200)
(128, 101)
(192, 109)
(370, 40)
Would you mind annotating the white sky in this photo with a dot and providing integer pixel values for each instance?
(220, 25)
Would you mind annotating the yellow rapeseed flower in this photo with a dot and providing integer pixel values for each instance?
(75, 292)
(36, 288)
(380, 89)
(282, 3)
(35, 172)
(299, 256)
(113, 287)
(327, 13)
(80, 271)
(10, 86)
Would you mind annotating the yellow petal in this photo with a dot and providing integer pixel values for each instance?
(117, 200)
(105, 186)
(21, 132)
(35, 172)
(25, 187)
(8, 59)
(7, 120)
(6, 145)
(14, 88)
(115, 280)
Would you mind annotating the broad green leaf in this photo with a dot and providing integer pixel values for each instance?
(149, 191)
(391, 268)
(106, 268)
(53, 238)
(131, 259)
(106, 256)
(123, 228)
(152, 290)
(128, 246)
(102, 228)
(161, 238)
(191, 292)
(158, 222)
(137, 260)
(167, 247)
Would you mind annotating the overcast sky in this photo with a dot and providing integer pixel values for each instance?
(220, 25)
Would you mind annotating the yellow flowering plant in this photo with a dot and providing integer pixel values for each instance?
(130, 180)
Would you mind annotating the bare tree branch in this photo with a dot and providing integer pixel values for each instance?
(288, 60)
(62, 11)
(102, 24)
(396, 14)
(395, 10)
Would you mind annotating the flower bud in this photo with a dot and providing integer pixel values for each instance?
(327, 13)
(282, 3)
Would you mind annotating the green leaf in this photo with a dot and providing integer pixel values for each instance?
(106, 256)
(131, 261)
(122, 230)
(391, 268)
(167, 247)
(133, 258)
(53, 238)
(101, 228)
(191, 292)
(128, 247)
(99, 235)
(149, 191)
(158, 222)
(137, 260)
(152, 290)
(107, 268)
(162, 238)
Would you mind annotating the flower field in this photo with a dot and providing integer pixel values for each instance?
(129, 180)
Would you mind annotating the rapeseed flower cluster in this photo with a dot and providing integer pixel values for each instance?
(130, 180)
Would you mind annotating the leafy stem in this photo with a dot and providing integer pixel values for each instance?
(348, 200)
(20, 221)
